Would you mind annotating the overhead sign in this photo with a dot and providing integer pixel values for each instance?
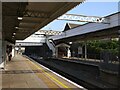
(82, 18)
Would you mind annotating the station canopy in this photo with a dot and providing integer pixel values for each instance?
(21, 19)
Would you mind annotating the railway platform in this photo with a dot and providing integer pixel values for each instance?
(21, 72)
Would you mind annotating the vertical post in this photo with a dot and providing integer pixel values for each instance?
(1, 56)
(119, 46)
(13, 51)
(0, 44)
(85, 50)
(119, 61)
(56, 49)
(4, 53)
(68, 53)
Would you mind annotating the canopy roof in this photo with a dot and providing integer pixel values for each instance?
(62, 45)
(35, 15)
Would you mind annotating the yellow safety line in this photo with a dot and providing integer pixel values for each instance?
(52, 77)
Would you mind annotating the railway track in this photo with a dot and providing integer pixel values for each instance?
(70, 77)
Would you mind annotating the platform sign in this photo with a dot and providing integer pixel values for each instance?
(79, 50)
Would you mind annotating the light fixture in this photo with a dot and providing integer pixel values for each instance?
(70, 42)
(16, 27)
(14, 33)
(50, 40)
(20, 18)
(13, 36)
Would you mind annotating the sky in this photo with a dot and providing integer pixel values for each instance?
(88, 8)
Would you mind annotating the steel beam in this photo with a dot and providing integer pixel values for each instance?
(38, 14)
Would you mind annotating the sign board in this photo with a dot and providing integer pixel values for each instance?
(79, 50)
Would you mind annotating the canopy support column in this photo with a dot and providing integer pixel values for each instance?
(56, 51)
(1, 39)
(85, 50)
(68, 53)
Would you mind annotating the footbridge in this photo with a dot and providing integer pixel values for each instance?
(91, 31)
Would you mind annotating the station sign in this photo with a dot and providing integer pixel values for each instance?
(79, 50)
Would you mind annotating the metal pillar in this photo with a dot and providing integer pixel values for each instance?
(0, 52)
(119, 46)
(1, 56)
(68, 53)
(4, 53)
(85, 50)
(13, 51)
(0, 44)
(119, 62)
(56, 50)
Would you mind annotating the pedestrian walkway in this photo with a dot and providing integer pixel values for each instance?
(22, 72)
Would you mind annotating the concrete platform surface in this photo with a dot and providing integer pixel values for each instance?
(22, 72)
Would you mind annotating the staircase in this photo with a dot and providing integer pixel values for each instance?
(51, 45)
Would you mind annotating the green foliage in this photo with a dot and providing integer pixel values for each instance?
(99, 45)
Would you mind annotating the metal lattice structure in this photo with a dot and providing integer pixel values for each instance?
(83, 18)
(35, 14)
(50, 32)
